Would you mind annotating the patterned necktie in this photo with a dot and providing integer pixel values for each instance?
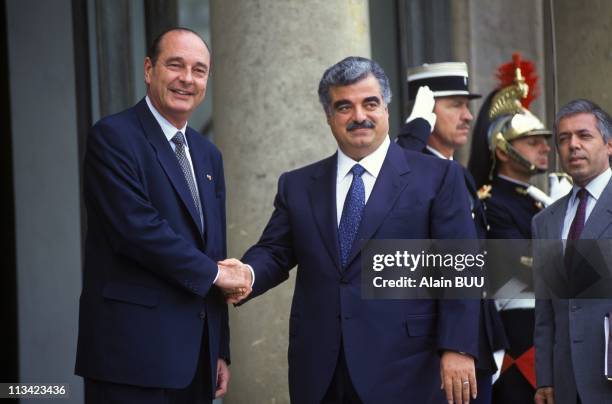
(181, 155)
(578, 223)
(351, 214)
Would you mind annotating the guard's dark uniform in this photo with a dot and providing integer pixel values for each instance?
(413, 136)
(510, 209)
(509, 213)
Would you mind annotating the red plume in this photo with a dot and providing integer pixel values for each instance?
(506, 75)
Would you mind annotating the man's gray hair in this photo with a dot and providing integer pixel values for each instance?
(349, 71)
(580, 106)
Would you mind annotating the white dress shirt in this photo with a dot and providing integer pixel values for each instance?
(594, 190)
(437, 153)
(372, 164)
(169, 131)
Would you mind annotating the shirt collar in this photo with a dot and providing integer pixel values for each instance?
(166, 127)
(437, 153)
(596, 186)
(372, 162)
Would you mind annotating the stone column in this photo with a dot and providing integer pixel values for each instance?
(268, 57)
(485, 36)
(584, 51)
(577, 59)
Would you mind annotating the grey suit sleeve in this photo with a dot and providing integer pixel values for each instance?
(544, 330)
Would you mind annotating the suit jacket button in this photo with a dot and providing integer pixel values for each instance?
(344, 281)
(203, 314)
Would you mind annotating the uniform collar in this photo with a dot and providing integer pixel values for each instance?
(514, 181)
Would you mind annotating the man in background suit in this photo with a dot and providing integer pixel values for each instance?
(438, 125)
(153, 327)
(569, 337)
(342, 348)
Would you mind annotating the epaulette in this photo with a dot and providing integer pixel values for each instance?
(484, 192)
(521, 190)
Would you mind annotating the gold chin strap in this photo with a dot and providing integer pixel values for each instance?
(512, 121)
(502, 144)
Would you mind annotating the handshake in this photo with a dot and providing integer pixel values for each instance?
(235, 280)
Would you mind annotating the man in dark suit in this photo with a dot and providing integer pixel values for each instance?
(153, 326)
(342, 348)
(569, 336)
(438, 125)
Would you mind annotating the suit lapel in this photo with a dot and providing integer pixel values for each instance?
(554, 226)
(469, 181)
(390, 183)
(167, 159)
(601, 216)
(554, 230)
(203, 171)
(322, 196)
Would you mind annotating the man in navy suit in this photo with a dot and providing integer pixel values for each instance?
(342, 348)
(439, 125)
(153, 324)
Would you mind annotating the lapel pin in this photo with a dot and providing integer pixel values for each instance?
(209, 177)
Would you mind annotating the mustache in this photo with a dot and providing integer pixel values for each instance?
(367, 124)
(464, 126)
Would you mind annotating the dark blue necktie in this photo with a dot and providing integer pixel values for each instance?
(351, 214)
(181, 155)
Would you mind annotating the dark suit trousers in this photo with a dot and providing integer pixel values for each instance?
(198, 391)
(341, 389)
(484, 382)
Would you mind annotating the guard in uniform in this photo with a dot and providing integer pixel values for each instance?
(509, 146)
(438, 125)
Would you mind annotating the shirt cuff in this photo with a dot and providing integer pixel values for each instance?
(217, 277)
(252, 274)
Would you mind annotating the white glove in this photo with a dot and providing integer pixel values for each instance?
(559, 185)
(539, 195)
(423, 106)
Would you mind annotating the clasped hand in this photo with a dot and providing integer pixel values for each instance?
(234, 280)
